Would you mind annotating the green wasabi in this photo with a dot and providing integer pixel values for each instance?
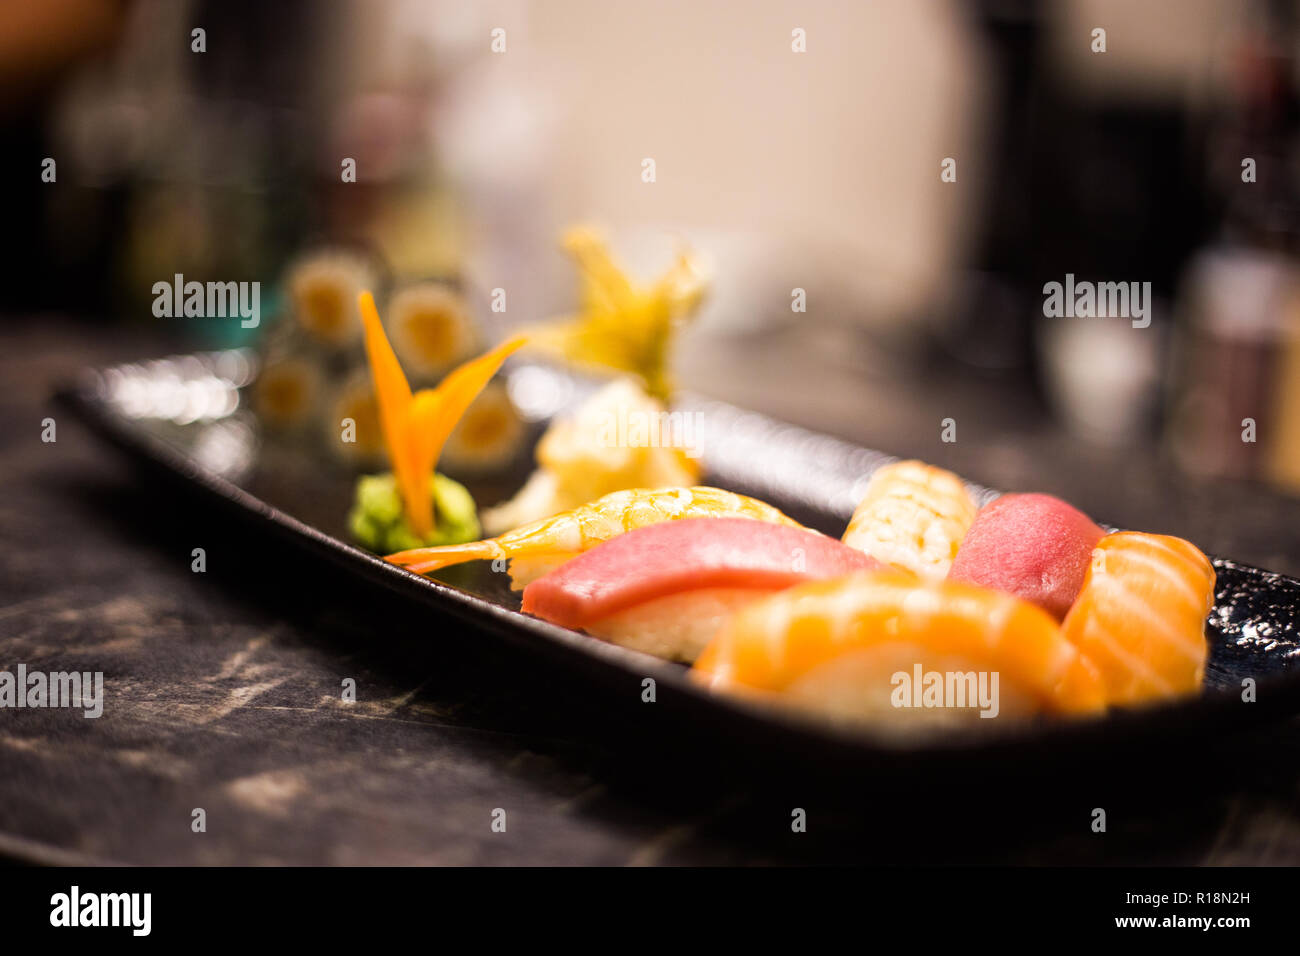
(377, 520)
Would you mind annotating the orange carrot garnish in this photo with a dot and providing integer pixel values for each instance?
(435, 412)
(417, 426)
(394, 395)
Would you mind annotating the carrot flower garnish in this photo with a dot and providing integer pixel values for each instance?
(417, 425)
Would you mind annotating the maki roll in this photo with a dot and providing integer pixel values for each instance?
(488, 436)
(322, 290)
(351, 429)
(431, 329)
(288, 392)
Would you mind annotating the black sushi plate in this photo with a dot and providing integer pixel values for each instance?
(188, 418)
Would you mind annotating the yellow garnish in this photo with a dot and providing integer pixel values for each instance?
(622, 325)
(416, 426)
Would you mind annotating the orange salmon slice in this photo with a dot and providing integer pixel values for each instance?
(772, 645)
(1140, 617)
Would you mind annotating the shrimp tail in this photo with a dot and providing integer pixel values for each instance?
(424, 560)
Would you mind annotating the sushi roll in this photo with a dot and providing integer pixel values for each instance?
(488, 436)
(355, 401)
(666, 588)
(1033, 546)
(535, 549)
(912, 516)
(431, 329)
(849, 649)
(323, 288)
(288, 393)
(1141, 616)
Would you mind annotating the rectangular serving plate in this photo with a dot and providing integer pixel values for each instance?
(188, 415)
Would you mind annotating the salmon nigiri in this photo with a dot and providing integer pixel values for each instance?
(859, 647)
(664, 589)
(912, 516)
(538, 547)
(1141, 615)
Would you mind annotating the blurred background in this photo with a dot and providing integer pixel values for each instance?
(799, 147)
(481, 130)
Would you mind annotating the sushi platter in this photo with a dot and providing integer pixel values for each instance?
(758, 614)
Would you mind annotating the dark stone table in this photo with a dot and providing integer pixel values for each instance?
(224, 687)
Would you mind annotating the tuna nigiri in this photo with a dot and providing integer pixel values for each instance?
(838, 648)
(536, 548)
(1141, 615)
(913, 516)
(1033, 546)
(664, 589)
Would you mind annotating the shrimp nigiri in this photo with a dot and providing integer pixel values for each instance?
(1141, 615)
(540, 546)
(912, 516)
(838, 648)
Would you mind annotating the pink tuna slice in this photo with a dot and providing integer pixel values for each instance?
(686, 555)
(1033, 546)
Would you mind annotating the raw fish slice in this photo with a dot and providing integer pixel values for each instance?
(680, 556)
(1033, 546)
(1141, 615)
(913, 516)
(836, 647)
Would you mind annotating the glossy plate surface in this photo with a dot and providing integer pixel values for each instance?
(189, 416)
